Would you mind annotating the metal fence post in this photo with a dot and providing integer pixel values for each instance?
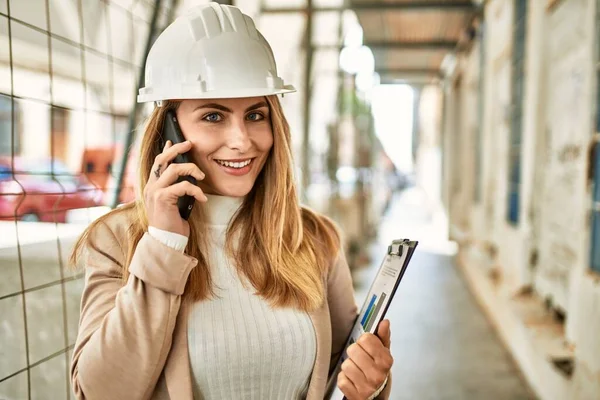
(133, 116)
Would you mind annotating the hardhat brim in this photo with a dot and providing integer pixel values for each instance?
(213, 94)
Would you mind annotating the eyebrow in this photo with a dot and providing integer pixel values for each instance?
(225, 109)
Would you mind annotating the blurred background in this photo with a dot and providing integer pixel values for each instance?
(470, 126)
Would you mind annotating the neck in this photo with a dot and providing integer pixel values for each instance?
(220, 209)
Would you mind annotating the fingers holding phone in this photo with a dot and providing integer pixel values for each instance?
(165, 187)
(168, 155)
(167, 173)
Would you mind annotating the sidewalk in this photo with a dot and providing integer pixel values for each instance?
(443, 346)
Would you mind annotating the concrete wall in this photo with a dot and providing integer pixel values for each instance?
(530, 275)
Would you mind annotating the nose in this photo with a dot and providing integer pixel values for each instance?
(238, 138)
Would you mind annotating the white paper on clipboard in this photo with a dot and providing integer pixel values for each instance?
(377, 302)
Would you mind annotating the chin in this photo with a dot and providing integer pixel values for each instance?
(240, 189)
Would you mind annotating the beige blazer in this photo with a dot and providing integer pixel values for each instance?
(132, 340)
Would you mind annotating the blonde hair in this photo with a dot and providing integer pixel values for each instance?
(283, 249)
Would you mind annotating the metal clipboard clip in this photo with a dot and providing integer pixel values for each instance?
(398, 246)
(395, 249)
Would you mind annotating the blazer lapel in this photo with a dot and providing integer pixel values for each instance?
(318, 379)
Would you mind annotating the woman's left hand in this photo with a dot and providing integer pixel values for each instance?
(368, 364)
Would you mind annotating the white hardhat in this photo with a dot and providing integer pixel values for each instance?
(213, 51)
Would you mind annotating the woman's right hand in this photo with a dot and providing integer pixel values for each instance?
(161, 194)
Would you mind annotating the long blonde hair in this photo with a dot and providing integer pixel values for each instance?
(282, 249)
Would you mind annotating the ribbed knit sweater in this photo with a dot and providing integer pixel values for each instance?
(240, 347)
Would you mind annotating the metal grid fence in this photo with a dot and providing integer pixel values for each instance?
(68, 77)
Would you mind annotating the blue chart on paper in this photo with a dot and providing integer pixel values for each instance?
(372, 311)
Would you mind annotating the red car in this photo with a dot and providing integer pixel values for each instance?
(43, 190)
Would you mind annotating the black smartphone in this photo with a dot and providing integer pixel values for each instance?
(171, 131)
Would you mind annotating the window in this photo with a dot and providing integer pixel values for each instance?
(517, 92)
(595, 242)
(6, 142)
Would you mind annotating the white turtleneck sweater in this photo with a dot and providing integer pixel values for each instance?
(240, 347)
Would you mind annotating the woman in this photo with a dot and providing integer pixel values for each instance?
(251, 297)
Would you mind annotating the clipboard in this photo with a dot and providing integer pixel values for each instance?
(378, 300)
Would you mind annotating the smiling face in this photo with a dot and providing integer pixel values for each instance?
(231, 140)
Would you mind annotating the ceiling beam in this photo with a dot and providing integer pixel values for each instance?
(409, 75)
(412, 80)
(387, 72)
(420, 5)
(385, 45)
(429, 45)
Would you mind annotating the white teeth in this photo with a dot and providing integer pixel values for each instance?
(234, 164)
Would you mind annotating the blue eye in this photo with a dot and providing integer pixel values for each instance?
(255, 117)
(212, 117)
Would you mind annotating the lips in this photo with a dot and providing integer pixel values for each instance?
(234, 164)
(236, 167)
